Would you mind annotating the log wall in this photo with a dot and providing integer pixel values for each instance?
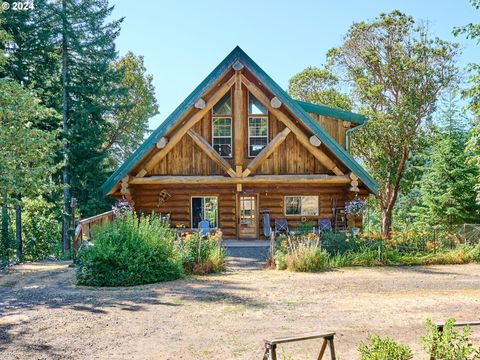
(271, 198)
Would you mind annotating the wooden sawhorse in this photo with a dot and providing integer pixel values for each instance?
(271, 345)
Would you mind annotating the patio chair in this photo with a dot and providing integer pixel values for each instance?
(204, 227)
(324, 225)
(281, 225)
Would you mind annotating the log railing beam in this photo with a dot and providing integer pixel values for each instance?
(210, 152)
(195, 118)
(300, 135)
(267, 151)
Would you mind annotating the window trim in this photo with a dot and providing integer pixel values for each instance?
(191, 209)
(301, 207)
(224, 137)
(259, 137)
(249, 116)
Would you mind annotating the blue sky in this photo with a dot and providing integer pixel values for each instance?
(182, 41)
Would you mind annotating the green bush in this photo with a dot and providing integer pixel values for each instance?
(280, 260)
(40, 230)
(307, 259)
(383, 349)
(475, 253)
(449, 344)
(336, 243)
(202, 255)
(460, 255)
(129, 251)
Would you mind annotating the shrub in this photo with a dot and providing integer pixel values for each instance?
(129, 251)
(475, 253)
(383, 349)
(202, 255)
(280, 260)
(460, 255)
(337, 242)
(40, 226)
(449, 344)
(307, 259)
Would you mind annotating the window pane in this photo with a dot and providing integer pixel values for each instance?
(204, 208)
(196, 211)
(309, 205)
(224, 106)
(255, 107)
(222, 126)
(257, 145)
(222, 136)
(293, 205)
(258, 126)
(210, 211)
(223, 146)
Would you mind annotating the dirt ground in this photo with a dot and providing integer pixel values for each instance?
(43, 315)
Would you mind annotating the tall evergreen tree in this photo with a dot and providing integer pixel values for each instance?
(87, 50)
(446, 196)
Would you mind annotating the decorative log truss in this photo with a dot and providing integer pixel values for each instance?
(239, 175)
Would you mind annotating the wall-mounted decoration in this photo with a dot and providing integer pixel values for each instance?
(163, 196)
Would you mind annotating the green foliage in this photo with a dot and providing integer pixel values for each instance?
(27, 152)
(307, 259)
(384, 348)
(318, 86)
(396, 71)
(446, 198)
(132, 108)
(304, 226)
(41, 229)
(129, 251)
(449, 344)
(337, 242)
(201, 255)
(472, 93)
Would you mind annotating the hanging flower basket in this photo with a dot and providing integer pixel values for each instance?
(355, 207)
(122, 208)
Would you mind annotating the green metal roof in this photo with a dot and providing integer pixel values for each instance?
(332, 112)
(295, 107)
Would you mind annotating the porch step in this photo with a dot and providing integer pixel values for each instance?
(244, 256)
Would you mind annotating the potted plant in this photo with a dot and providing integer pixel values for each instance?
(353, 209)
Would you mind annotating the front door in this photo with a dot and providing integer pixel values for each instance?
(248, 217)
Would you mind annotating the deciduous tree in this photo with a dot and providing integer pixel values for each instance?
(397, 71)
(318, 86)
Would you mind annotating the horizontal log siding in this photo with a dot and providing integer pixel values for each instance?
(270, 198)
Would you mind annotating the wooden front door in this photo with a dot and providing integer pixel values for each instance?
(247, 217)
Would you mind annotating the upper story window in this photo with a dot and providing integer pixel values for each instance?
(222, 126)
(257, 126)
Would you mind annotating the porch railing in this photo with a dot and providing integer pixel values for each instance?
(84, 227)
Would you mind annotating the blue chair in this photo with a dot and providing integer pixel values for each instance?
(281, 225)
(324, 225)
(204, 227)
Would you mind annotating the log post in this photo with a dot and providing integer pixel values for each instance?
(239, 131)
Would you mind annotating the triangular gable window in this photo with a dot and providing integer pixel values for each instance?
(255, 107)
(224, 106)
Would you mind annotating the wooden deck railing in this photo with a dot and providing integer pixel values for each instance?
(85, 226)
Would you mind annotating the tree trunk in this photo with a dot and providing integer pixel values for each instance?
(66, 174)
(18, 225)
(5, 241)
(386, 222)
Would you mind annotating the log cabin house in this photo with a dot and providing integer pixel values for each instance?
(239, 146)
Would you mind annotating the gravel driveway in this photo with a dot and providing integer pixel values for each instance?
(43, 315)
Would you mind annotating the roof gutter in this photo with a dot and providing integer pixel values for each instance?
(347, 134)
